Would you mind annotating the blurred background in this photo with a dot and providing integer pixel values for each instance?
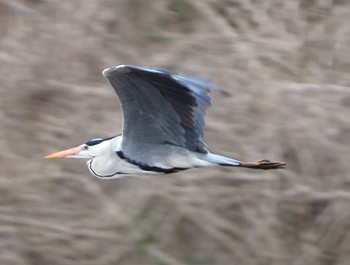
(286, 65)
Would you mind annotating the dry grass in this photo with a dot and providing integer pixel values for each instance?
(286, 64)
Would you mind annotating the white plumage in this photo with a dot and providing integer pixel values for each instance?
(163, 128)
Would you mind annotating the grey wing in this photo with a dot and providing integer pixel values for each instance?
(160, 107)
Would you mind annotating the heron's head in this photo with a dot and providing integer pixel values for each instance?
(89, 150)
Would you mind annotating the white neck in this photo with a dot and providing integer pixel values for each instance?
(107, 164)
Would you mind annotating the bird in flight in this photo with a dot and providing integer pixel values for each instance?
(163, 123)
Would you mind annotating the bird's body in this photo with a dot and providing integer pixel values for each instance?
(173, 159)
(162, 128)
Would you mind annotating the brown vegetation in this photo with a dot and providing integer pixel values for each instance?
(286, 65)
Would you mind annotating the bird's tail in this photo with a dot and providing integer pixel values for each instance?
(222, 160)
(260, 164)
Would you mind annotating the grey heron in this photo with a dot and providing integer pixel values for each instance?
(163, 123)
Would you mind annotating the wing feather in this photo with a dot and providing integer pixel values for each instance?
(160, 107)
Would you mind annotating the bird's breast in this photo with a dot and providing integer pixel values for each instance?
(114, 168)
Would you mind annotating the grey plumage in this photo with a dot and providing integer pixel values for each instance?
(163, 127)
(169, 105)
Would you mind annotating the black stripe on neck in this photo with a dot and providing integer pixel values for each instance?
(103, 176)
(150, 168)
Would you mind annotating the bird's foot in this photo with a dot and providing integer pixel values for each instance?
(263, 164)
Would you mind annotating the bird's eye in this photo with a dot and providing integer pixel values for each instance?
(86, 147)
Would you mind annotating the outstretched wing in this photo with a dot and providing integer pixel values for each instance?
(160, 107)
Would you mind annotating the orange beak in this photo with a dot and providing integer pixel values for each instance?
(69, 152)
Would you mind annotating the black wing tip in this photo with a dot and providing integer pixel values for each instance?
(110, 71)
(127, 69)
